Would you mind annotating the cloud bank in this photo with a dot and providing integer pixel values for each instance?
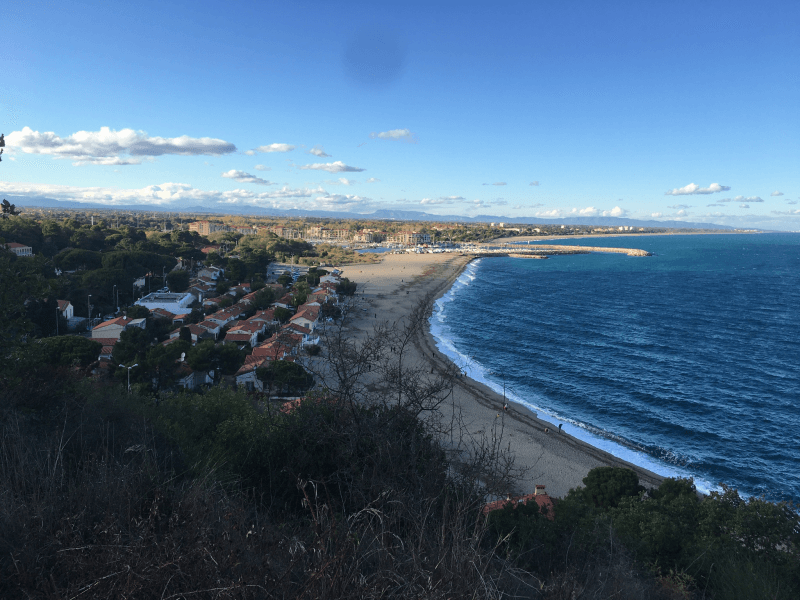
(243, 177)
(271, 148)
(108, 146)
(693, 188)
(334, 167)
(163, 194)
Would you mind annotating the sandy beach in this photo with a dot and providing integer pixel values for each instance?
(391, 288)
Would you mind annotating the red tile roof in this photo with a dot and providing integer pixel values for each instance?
(63, 304)
(236, 336)
(543, 500)
(251, 363)
(196, 330)
(123, 321)
(248, 326)
(263, 315)
(271, 351)
(296, 328)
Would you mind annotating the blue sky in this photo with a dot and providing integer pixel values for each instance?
(667, 110)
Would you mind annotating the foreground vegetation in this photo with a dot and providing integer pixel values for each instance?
(352, 492)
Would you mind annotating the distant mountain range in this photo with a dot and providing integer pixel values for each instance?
(387, 214)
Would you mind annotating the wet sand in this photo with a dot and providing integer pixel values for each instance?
(389, 290)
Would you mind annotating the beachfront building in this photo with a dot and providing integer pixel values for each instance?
(409, 238)
(207, 227)
(287, 232)
(323, 233)
(175, 303)
(369, 236)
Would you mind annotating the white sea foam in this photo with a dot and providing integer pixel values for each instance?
(599, 438)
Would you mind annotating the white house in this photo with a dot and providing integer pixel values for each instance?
(66, 309)
(246, 375)
(210, 273)
(114, 327)
(307, 316)
(175, 303)
(19, 249)
(190, 379)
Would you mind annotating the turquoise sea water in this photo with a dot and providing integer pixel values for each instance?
(686, 362)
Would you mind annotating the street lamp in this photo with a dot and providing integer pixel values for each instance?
(56, 318)
(89, 309)
(113, 295)
(129, 374)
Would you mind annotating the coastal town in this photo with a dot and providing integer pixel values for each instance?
(273, 316)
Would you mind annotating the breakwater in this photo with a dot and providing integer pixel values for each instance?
(543, 251)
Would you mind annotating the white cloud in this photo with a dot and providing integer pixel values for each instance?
(747, 199)
(791, 202)
(656, 215)
(271, 148)
(589, 211)
(786, 212)
(243, 177)
(744, 206)
(108, 146)
(342, 202)
(444, 200)
(615, 212)
(682, 213)
(161, 194)
(776, 193)
(344, 181)
(262, 168)
(693, 188)
(534, 183)
(553, 214)
(334, 167)
(497, 183)
(679, 206)
(395, 134)
(318, 151)
(372, 180)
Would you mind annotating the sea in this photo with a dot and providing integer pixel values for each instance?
(686, 362)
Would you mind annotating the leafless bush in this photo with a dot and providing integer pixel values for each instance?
(383, 368)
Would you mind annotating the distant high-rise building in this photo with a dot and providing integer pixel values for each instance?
(207, 227)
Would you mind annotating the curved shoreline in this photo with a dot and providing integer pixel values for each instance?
(558, 460)
(490, 399)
